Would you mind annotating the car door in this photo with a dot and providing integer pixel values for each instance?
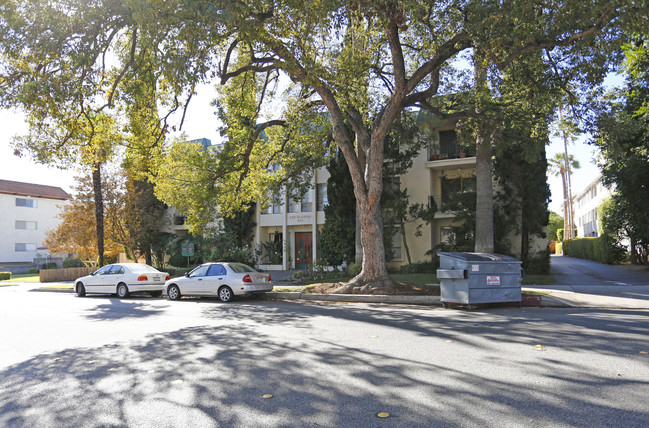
(117, 274)
(97, 283)
(214, 279)
(193, 284)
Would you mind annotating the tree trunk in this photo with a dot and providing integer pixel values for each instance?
(484, 215)
(99, 210)
(405, 243)
(566, 214)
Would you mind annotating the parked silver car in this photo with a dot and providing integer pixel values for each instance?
(222, 279)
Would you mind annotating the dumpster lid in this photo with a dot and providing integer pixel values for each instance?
(481, 257)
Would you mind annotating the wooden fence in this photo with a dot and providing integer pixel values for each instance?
(67, 274)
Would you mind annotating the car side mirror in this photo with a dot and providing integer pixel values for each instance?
(93, 273)
(186, 274)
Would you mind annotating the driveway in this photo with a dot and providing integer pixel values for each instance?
(576, 272)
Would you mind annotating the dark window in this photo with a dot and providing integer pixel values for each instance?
(448, 145)
(452, 186)
(216, 270)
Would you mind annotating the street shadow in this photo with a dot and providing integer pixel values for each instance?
(218, 375)
(119, 309)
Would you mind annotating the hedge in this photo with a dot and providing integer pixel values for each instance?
(602, 249)
(5, 275)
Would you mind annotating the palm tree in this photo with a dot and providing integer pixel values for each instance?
(559, 166)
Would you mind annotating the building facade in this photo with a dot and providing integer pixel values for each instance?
(28, 211)
(586, 204)
(288, 230)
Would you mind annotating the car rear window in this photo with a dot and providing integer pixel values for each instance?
(142, 268)
(241, 268)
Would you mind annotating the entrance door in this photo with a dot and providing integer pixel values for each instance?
(303, 249)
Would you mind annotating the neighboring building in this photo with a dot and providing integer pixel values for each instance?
(27, 212)
(586, 204)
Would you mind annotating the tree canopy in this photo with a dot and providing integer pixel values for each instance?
(353, 66)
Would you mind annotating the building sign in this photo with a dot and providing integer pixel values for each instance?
(300, 218)
(493, 280)
(187, 249)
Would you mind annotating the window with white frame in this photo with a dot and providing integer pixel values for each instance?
(24, 247)
(306, 204)
(322, 198)
(26, 225)
(24, 202)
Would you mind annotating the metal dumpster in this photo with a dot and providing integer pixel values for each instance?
(475, 278)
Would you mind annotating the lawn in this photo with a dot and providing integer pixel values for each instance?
(25, 277)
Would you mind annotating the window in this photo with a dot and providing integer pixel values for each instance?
(117, 270)
(30, 203)
(322, 198)
(307, 202)
(21, 247)
(104, 270)
(293, 207)
(199, 271)
(25, 225)
(448, 144)
(396, 246)
(216, 270)
(452, 186)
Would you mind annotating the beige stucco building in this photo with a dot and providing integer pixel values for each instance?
(443, 167)
(27, 211)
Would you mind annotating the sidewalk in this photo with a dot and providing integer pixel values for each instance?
(576, 296)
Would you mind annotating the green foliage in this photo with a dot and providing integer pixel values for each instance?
(622, 136)
(178, 260)
(537, 264)
(72, 262)
(354, 269)
(420, 267)
(555, 222)
(602, 249)
(242, 225)
(5, 276)
(271, 252)
(32, 270)
(337, 237)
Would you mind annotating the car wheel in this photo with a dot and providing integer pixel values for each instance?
(122, 290)
(81, 290)
(225, 294)
(173, 292)
(155, 293)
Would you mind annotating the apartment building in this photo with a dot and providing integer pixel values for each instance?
(443, 168)
(586, 204)
(28, 211)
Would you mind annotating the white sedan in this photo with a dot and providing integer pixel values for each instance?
(122, 279)
(224, 280)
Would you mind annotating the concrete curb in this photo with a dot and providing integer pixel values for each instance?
(355, 298)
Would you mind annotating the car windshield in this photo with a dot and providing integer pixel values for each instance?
(241, 268)
(142, 268)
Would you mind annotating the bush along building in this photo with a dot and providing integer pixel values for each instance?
(428, 205)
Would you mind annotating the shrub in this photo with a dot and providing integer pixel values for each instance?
(72, 262)
(354, 269)
(420, 267)
(538, 264)
(603, 249)
(178, 260)
(50, 265)
(5, 275)
(32, 270)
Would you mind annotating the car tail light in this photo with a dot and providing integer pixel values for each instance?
(247, 278)
(167, 278)
(269, 278)
(142, 278)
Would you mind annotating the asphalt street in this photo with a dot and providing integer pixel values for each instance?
(99, 361)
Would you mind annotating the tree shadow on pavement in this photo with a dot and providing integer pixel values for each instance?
(218, 375)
